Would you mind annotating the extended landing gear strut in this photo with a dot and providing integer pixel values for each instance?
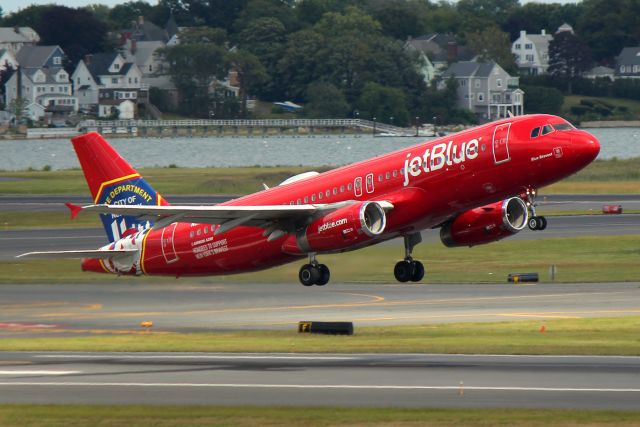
(409, 269)
(537, 223)
(314, 273)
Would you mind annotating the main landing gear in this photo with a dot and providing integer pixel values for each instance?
(314, 273)
(536, 223)
(409, 269)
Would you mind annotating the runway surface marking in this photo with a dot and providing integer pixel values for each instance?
(458, 388)
(378, 302)
(23, 372)
(198, 357)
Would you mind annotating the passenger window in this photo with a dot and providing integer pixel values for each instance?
(306, 199)
(199, 232)
(206, 230)
(547, 129)
(299, 202)
(349, 186)
(380, 178)
(342, 188)
(388, 175)
(327, 193)
(335, 191)
(191, 234)
(313, 197)
(320, 195)
(535, 132)
(395, 173)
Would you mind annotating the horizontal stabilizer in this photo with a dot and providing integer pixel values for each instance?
(93, 253)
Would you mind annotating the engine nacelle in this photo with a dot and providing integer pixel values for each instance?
(339, 229)
(486, 224)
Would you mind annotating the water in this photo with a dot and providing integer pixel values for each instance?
(329, 150)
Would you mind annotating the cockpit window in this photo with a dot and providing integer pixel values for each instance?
(563, 126)
(546, 129)
(535, 132)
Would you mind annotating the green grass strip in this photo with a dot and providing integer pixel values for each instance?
(248, 416)
(592, 336)
(577, 259)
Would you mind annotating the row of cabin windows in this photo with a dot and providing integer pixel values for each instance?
(349, 187)
(200, 231)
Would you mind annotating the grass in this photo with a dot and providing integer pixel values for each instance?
(601, 177)
(249, 416)
(19, 220)
(578, 259)
(594, 336)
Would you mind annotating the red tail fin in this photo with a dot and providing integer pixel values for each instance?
(112, 180)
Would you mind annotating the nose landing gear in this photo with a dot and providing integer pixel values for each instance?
(537, 223)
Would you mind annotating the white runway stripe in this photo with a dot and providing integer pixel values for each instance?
(325, 386)
(34, 372)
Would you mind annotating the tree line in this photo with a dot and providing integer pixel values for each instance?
(341, 58)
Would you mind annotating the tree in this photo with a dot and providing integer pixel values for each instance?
(479, 14)
(299, 64)
(569, 57)
(493, 44)
(401, 19)
(251, 74)
(122, 15)
(386, 104)
(540, 99)
(18, 107)
(326, 101)
(76, 31)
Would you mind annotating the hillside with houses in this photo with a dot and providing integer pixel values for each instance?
(397, 62)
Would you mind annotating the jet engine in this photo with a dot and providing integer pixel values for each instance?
(339, 230)
(486, 224)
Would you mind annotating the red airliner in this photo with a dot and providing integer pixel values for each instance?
(477, 186)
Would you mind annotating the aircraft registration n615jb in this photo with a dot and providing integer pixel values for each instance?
(477, 186)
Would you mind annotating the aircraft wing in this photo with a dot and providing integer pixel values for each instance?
(226, 216)
(93, 253)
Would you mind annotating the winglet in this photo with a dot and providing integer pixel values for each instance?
(75, 209)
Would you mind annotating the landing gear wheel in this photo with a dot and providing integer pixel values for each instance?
(418, 271)
(309, 275)
(537, 223)
(325, 274)
(544, 222)
(403, 271)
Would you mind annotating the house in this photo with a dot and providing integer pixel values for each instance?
(486, 89)
(14, 38)
(599, 72)
(43, 83)
(628, 63)
(532, 52)
(104, 81)
(440, 50)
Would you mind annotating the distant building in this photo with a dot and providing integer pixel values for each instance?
(43, 82)
(14, 38)
(105, 81)
(437, 52)
(600, 72)
(628, 63)
(7, 60)
(532, 52)
(486, 89)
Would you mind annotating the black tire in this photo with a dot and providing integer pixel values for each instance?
(308, 275)
(418, 271)
(543, 223)
(402, 271)
(325, 275)
(534, 223)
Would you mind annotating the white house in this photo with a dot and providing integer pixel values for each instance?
(43, 83)
(106, 79)
(14, 38)
(486, 89)
(532, 52)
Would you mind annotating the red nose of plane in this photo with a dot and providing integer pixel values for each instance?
(586, 146)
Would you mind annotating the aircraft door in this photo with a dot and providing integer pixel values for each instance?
(357, 186)
(168, 243)
(501, 143)
(370, 183)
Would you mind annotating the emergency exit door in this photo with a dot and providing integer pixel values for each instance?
(501, 143)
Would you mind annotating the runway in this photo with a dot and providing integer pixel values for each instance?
(405, 380)
(69, 310)
(15, 242)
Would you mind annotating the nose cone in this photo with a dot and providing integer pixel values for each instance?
(586, 146)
